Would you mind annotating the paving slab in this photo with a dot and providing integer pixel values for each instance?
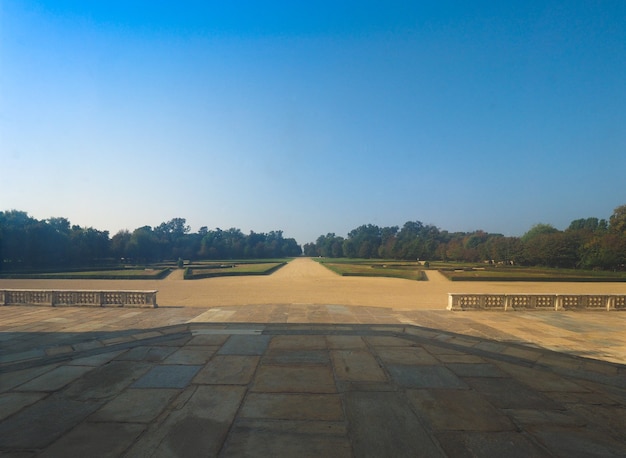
(510, 394)
(278, 406)
(14, 402)
(382, 424)
(228, 370)
(245, 345)
(153, 354)
(191, 355)
(425, 377)
(11, 379)
(478, 444)
(476, 370)
(344, 381)
(388, 341)
(288, 379)
(55, 379)
(107, 381)
(329, 428)
(96, 360)
(39, 424)
(345, 342)
(460, 410)
(135, 405)
(298, 342)
(167, 376)
(540, 380)
(208, 339)
(95, 439)
(357, 366)
(582, 441)
(198, 428)
(280, 357)
(259, 442)
(405, 355)
(613, 416)
(526, 417)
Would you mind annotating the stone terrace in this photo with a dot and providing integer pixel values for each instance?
(310, 380)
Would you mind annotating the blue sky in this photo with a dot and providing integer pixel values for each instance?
(313, 118)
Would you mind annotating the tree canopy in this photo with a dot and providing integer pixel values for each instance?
(30, 244)
(589, 243)
(27, 244)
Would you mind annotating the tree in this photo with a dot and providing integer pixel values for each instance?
(310, 250)
(173, 229)
(143, 245)
(324, 245)
(537, 230)
(617, 222)
(387, 242)
(88, 245)
(588, 225)
(366, 240)
(13, 226)
(348, 248)
(213, 245)
(119, 244)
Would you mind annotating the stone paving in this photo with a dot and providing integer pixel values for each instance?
(307, 380)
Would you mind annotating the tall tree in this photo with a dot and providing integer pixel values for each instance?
(617, 222)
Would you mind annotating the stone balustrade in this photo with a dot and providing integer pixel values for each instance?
(607, 302)
(78, 298)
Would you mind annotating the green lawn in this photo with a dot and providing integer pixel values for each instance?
(113, 274)
(413, 270)
(378, 268)
(467, 273)
(230, 268)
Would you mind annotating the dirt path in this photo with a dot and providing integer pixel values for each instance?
(304, 281)
(175, 275)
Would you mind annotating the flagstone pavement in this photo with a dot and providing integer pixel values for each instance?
(310, 380)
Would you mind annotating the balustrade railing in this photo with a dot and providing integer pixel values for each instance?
(458, 301)
(81, 298)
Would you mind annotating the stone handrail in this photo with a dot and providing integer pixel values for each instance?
(84, 298)
(607, 302)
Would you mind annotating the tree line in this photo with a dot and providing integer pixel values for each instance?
(588, 243)
(27, 243)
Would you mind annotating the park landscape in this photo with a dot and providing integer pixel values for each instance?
(349, 350)
(408, 268)
(306, 281)
(307, 362)
(406, 233)
(257, 350)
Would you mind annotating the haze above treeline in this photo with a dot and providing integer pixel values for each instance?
(28, 243)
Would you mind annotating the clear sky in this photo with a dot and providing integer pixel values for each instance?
(313, 117)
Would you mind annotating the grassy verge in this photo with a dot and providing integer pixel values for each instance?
(368, 268)
(231, 269)
(113, 274)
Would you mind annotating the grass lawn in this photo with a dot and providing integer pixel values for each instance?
(220, 262)
(230, 268)
(113, 274)
(467, 273)
(378, 268)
